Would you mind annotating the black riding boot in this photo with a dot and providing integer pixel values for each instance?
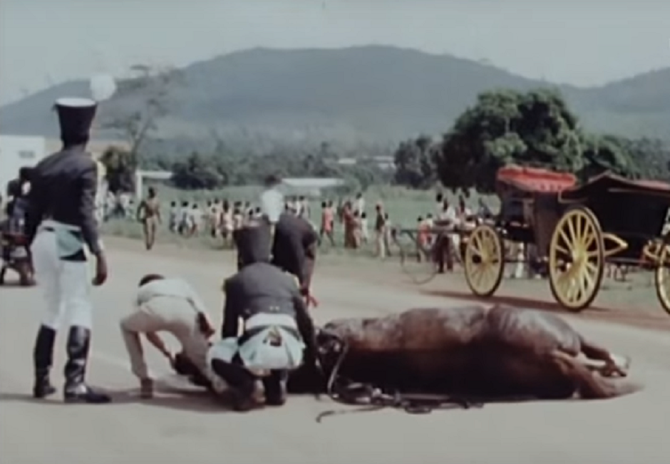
(240, 381)
(76, 390)
(43, 358)
(275, 388)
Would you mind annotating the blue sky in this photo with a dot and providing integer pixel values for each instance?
(587, 42)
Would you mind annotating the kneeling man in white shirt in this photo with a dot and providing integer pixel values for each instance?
(169, 305)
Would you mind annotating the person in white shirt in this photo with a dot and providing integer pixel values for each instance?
(184, 219)
(439, 201)
(447, 219)
(214, 218)
(272, 200)
(303, 204)
(195, 219)
(447, 214)
(173, 222)
(168, 305)
(227, 225)
(365, 229)
(360, 203)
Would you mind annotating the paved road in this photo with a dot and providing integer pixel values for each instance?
(183, 426)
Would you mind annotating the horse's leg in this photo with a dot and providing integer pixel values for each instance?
(590, 386)
(613, 364)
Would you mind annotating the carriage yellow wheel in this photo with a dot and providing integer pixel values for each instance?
(484, 261)
(662, 275)
(576, 259)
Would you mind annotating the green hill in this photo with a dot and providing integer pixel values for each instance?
(371, 92)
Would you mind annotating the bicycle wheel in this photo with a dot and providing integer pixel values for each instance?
(417, 261)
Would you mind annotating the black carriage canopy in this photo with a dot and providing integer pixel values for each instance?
(634, 210)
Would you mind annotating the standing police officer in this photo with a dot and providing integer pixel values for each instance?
(60, 224)
(294, 248)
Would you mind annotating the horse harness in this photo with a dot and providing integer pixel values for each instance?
(374, 398)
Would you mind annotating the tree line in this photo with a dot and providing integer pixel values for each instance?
(224, 168)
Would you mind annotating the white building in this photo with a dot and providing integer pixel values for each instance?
(17, 152)
(140, 177)
(310, 187)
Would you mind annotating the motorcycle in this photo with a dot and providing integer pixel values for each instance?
(15, 256)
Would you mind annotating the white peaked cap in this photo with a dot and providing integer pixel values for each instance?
(75, 102)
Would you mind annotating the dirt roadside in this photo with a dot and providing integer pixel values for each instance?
(631, 304)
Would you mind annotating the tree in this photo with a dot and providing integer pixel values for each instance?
(146, 97)
(651, 157)
(196, 172)
(121, 166)
(505, 127)
(414, 162)
(606, 153)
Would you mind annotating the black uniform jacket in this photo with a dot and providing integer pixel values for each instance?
(263, 288)
(63, 189)
(294, 247)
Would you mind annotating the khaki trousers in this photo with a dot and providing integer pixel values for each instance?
(380, 244)
(164, 314)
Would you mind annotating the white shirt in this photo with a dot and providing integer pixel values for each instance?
(449, 214)
(174, 287)
(272, 204)
(196, 215)
(360, 205)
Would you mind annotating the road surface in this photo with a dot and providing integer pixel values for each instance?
(183, 426)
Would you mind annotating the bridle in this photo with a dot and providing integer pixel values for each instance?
(373, 398)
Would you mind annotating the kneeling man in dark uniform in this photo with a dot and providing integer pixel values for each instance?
(276, 332)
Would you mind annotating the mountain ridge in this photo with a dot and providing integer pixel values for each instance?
(378, 92)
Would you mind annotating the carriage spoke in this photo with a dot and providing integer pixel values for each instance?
(587, 281)
(589, 238)
(572, 233)
(561, 249)
(593, 254)
(562, 235)
(591, 268)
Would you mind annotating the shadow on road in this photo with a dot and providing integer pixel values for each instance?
(15, 284)
(201, 402)
(165, 397)
(509, 300)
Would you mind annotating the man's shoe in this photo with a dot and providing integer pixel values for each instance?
(146, 389)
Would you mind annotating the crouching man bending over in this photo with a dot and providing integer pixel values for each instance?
(169, 305)
(276, 331)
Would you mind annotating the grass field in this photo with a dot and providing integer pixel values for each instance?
(636, 297)
(404, 206)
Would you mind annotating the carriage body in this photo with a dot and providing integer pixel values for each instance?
(609, 219)
(631, 214)
(530, 206)
(530, 209)
(575, 230)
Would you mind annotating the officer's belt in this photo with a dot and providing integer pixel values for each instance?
(248, 334)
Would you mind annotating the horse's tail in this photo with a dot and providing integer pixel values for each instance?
(591, 385)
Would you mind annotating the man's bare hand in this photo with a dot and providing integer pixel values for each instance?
(100, 270)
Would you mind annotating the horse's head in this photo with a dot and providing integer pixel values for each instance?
(308, 380)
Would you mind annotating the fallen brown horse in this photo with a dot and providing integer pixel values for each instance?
(473, 352)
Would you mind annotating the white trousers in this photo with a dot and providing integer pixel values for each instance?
(65, 284)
